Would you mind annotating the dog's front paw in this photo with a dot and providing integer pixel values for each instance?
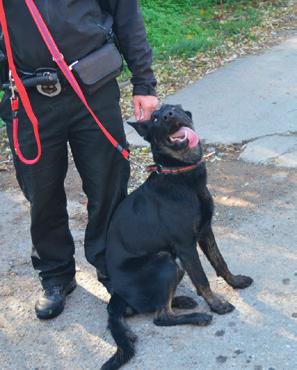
(240, 281)
(221, 307)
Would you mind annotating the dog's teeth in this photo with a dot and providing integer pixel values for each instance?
(179, 139)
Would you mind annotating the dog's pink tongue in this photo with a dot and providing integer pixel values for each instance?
(191, 135)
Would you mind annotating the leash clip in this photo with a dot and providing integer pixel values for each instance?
(159, 169)
(14, 99)
(12, 86)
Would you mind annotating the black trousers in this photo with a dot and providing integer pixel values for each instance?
(104, 172)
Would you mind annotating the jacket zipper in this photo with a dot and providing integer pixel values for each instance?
(108, 33)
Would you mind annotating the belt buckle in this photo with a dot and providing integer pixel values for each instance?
(49, 90)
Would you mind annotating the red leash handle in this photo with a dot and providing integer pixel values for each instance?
(23, 96)
(58, 58)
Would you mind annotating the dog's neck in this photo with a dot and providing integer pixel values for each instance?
(195, 178)
(177, 170)
(168, 161)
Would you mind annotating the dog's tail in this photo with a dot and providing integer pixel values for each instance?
(122, 335)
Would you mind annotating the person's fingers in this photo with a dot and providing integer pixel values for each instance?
(150, 104)
(147, 112)
(137, 108)
(144, 106)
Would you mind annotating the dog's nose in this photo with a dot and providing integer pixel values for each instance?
(168, 114)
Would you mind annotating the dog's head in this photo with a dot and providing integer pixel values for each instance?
(170, 132)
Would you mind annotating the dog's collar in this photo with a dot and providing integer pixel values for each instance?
(172, 170)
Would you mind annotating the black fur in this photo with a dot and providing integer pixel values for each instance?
(122, 335)
(161, 221)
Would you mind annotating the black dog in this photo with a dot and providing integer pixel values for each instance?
(156, 225)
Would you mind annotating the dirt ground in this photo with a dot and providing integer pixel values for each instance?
(255, 224)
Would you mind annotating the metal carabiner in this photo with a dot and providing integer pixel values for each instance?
(12, 86)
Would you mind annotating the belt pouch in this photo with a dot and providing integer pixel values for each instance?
(99, 67)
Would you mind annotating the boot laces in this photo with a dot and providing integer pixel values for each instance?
(54, 290)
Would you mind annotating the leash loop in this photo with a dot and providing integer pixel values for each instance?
(16, 83)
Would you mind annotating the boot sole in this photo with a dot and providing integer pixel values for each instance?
(51, 314)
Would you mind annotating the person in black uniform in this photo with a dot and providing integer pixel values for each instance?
(78, 28)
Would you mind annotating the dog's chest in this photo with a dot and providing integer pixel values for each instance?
(191, 210)
(181, 212)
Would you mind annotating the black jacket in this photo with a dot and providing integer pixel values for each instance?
(78, 29)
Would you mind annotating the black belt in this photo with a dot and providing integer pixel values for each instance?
(46, 81)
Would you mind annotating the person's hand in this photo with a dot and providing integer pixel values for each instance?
(144, 106)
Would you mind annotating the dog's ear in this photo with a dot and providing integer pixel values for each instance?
(189, 114)
(143, 128)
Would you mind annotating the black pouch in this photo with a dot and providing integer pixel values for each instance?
(99, 67)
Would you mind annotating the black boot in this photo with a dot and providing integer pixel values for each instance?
(52, 301)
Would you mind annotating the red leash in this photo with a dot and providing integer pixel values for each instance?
(58, 58)
(23, 95)
(172, 170)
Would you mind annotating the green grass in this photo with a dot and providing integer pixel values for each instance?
(186, 27)
(183, 28)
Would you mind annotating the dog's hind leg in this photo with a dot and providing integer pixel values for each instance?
(182, 302)
(210, 249)
(165, 317)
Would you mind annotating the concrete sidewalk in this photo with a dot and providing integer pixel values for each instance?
(248, 100)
